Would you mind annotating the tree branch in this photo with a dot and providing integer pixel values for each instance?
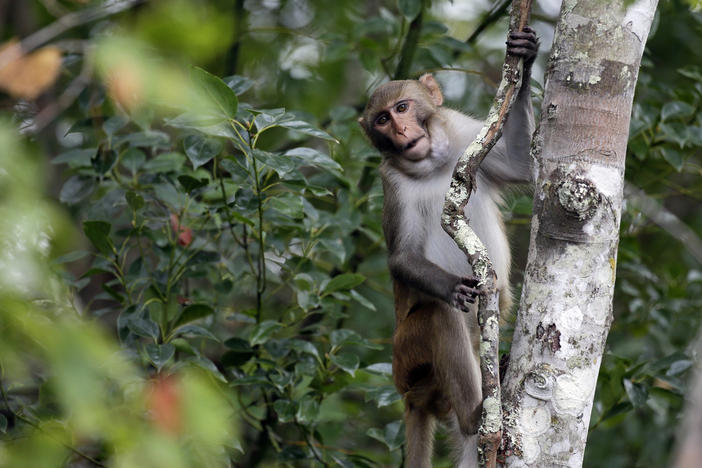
(65, 23)
(456, 225)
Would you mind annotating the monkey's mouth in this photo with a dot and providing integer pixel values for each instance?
(413, 143)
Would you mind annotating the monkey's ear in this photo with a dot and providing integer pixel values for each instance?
(433, 87)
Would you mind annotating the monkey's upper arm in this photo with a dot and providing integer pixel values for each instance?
(504, 165)
(510, 159)
(421, 274)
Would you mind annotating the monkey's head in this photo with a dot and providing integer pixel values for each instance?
(395, 118)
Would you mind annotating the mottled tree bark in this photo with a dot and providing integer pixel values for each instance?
(566, 304)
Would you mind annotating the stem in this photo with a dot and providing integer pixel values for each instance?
(261, 276)
(410, 46)
(233, 53)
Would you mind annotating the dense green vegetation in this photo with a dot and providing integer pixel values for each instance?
(193, 270)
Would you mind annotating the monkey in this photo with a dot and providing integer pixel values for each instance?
(435, 360)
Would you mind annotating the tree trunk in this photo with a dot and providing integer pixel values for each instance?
(566, 304)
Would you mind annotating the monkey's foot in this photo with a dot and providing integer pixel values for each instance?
(465, 292)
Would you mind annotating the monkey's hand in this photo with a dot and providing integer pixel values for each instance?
(524, 44)
(464, 293)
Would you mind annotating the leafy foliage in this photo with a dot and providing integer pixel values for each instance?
(212, 288)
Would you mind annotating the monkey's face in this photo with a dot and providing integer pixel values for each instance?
(403, 130)
(396, 118)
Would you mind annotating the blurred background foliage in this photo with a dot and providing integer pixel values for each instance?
(193, 270)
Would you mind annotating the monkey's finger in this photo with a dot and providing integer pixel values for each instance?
(463, 300)
(528, 36)
(468, 291)
(470, 281)
(522, 43)
(521, 52)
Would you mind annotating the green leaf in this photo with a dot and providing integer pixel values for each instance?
(209, 366)
(347, 362)
(678, 367)
(236, 359)
(674, 132)
(693, 72)
(146, 139)
(76, 189)
(208, 125)
(672, 157)
(133, 159)
(281, 164)
(362, 300)
(115, 124)
(382, 368)
(112, 292)
(222, 98)
(201, 150)
(342, 113)
(98, 232)
(302, 346)
(71, 257)
(3, 424)
(190, 183)
(193, 312)
(314, 158)
(392, 435)
(637, 393)
(409, 8)
(271, 117)
(170, 196)
(285, 409)
(75, 157)
(383, 396)
(307, 129)
(134, 200)
(616, 410)
(195, 331)
(263, 331)
(343, 282)
(239, 352)
(160, 354)
(287, 204)
(345, 336)
(308, 410)
(165, 162)
(238, 84)
(676, 109)
(238, 345)
(104, 160)
(143, 327)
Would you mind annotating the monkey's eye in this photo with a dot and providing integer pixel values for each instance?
(402, 107)
(382, 119)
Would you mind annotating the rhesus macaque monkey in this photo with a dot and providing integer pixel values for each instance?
(435, 363)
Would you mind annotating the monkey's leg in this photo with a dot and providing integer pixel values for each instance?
(419, 437)
(457, 368)
(465, 447)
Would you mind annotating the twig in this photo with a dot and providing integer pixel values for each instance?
(63, 24)
(455, 224)
(70, 94)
